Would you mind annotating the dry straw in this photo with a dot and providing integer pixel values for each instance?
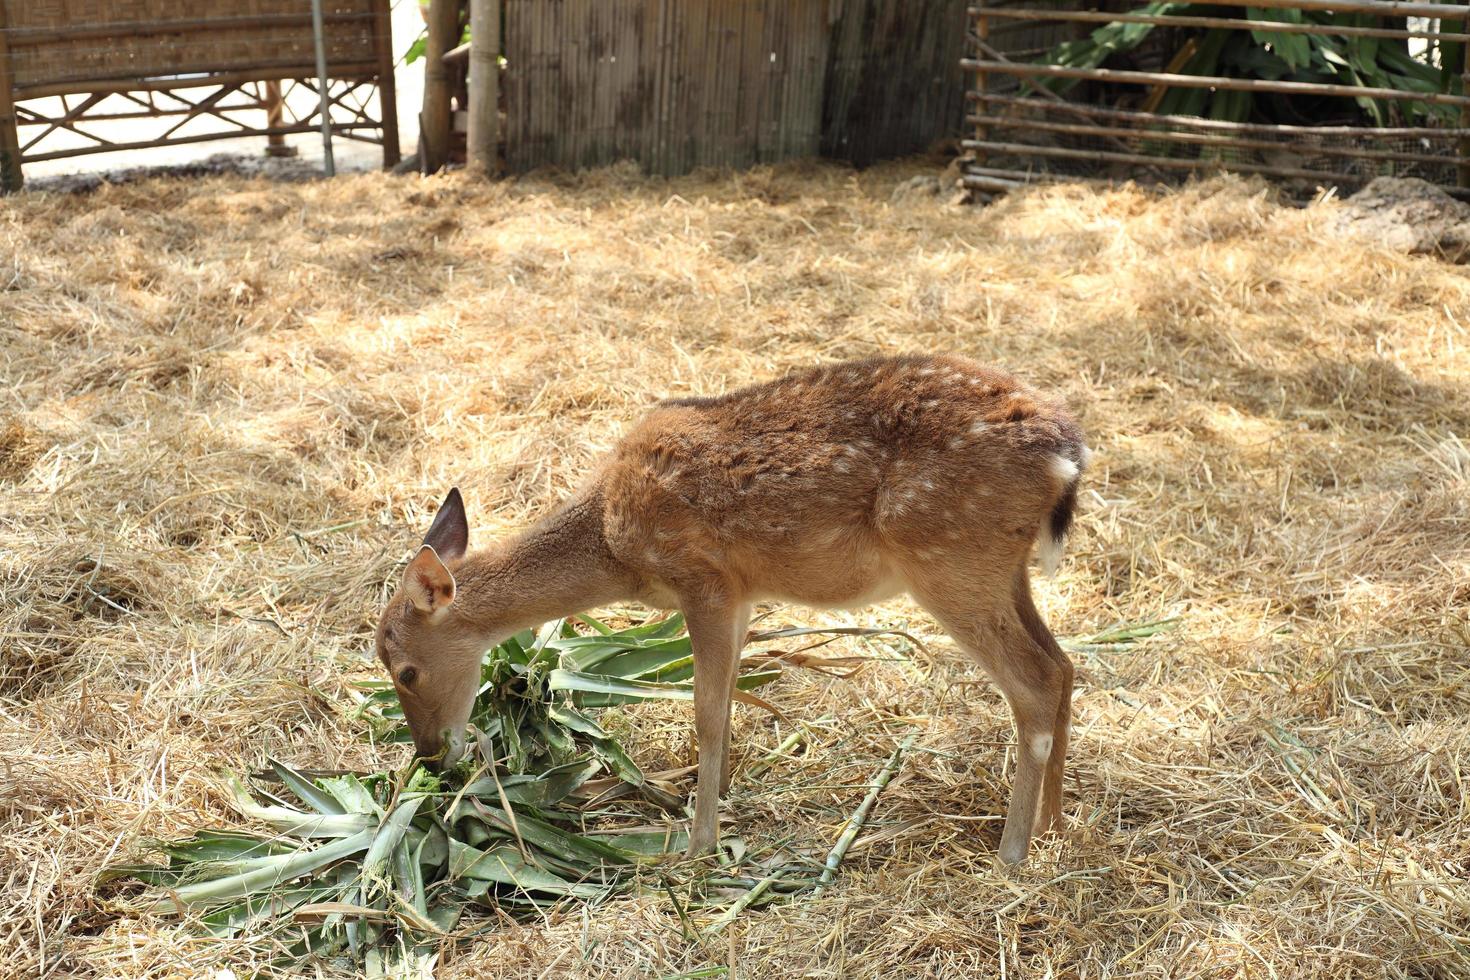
(228, 407)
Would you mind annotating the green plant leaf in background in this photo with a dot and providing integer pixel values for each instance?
(1263, 53)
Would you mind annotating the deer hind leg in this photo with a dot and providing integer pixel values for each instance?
(986, 624)
(712, 635)
(1050, 817)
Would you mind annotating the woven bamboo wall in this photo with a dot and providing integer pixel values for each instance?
(676, 84)
(673, 84)
(894, 82)
(54, 44)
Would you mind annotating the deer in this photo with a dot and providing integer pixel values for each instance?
(836, 486)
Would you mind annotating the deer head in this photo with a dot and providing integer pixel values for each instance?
(422, 640)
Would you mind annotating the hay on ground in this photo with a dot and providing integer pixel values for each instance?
(230, 406)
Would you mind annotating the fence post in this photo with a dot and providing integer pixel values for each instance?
(11, 178)
(1464, 109)
(434, 120)
(275, 117)
(484, 135)
(982, 79)
(319, 30)
(387, 84)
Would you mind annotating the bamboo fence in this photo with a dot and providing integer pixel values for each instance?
(1023, 132)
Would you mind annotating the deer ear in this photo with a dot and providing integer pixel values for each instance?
(428, 581)
(449, 535)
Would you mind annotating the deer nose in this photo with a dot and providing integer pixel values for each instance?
(454, 746)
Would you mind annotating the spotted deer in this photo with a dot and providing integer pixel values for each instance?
(837, 486)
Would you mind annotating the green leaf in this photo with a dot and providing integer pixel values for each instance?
(305, 790)
(354, 797)
(263, 874)
(298, 823)
(547, 789)
(244, 917)
(504, 865)
(578, 682)
(375, 863)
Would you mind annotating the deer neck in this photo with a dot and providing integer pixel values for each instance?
(561, 565)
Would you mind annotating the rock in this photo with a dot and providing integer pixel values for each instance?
(1408, 215)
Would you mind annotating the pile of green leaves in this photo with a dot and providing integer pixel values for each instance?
(1275, 55)
(380, 867)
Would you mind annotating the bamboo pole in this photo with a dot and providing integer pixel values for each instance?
(434, 121)
(1175, 20)
(1060, 102)
(1200, 122)
(209, 77)
(1206, 139)
(1379, 8)
(484, 82)
(1030, 176)
(990, 185)
(345, 130)
(387, 82)
(319, 37)
(1212, 81)
(859, 816)
(1175, 163)
(11, 176)
(1464, 175)
(22, 37)
(982, 79)
(1040, 177)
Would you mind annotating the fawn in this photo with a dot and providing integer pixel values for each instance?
(837, 486)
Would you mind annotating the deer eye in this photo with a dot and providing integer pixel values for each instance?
(407, 676)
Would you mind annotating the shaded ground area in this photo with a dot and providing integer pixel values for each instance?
(230, 406)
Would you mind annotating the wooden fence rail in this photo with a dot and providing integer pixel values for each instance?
(1030, 129)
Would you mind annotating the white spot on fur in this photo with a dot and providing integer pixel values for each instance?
(925, 372)
(1041, 747)
(1086, 457)
(957, 442)
(974, 382)
(841, 466)
(1064, 469)
(927, 484)
(929, 403)
(979, 428)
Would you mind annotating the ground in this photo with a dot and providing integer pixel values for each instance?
(230, 407)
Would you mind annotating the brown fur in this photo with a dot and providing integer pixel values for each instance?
(835, 486)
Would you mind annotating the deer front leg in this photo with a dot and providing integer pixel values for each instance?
(742, 629)
(712, 634)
